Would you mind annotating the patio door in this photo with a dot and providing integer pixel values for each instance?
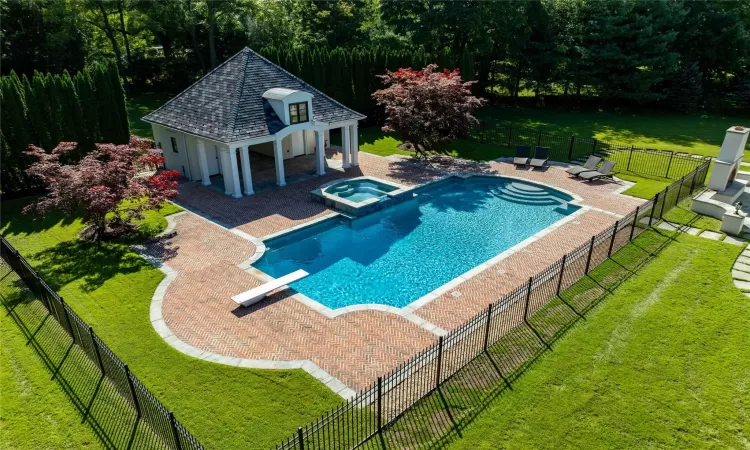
(298, 143)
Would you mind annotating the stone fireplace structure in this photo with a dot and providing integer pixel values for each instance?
(727, 184)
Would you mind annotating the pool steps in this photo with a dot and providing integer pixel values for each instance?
(526, 194)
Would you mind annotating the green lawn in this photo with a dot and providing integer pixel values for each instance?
(139, 107)
(684, 215)
(111, 287)
(34, 413)
(696, 133)
(664, 362)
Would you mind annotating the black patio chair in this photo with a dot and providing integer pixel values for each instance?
(522, 155)
(605, 171)
(588, 166)
(541, 157)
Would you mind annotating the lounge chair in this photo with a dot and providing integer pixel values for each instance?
(588, 166)
(605, 171)
(541, 157)
(522, 155)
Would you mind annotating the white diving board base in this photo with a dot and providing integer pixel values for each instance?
(257, 294)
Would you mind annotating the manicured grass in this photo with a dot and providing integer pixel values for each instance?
(684, 215)
(34, 412)
(140, 106)
(663, 362)
(646, 186)
(695, 133)
(111, 287)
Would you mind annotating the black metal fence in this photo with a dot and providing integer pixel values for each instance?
(422, 401)
(660, 163)
(120, 408)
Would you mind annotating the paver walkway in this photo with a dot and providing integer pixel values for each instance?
(204, 257)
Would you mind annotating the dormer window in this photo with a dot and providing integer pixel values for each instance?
(298, 113)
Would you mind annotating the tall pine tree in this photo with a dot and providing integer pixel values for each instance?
(36, 116)
(87, 99)
(39, 83)
(16, 134)
(119, 101)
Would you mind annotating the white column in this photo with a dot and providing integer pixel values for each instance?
(236, 192)
(247, 177)
(203, 163)
(226, 169)
(278, 155)
(355, 144)
(346, 146)
(320, 152)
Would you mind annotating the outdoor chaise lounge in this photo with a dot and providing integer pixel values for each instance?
(257, 294)
(588, 166)
(522, 155)
(605, 171)
(541, 157)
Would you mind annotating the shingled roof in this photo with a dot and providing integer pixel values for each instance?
(227, 104)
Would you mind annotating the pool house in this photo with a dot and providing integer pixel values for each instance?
(248, 120)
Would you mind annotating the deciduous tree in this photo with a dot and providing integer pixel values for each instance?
(99, 183)
(427, 108)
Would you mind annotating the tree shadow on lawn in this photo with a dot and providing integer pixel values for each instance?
(94, 263)
(14, 222)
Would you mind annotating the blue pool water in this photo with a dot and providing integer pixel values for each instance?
(397, 255)
(360, 190)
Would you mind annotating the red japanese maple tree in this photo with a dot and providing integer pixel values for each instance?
(99, 183)
(427, 108)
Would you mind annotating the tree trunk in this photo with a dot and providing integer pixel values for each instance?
(194, 37)
(110, 32)
(125, 39)
(211, 8)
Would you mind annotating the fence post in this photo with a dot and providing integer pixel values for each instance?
(635, 220)
(175, 434)
(663, 202)
(570, 147)
(630, 157)
(528, 299)
(380, 404)
(588, 259)
(487, 328)
(671, 155)
(653, 207)
(67, 319)
(132, 391)
(692, 181)
(539, 138)
(679, 191)
(614, 235)
(96, 350)
(439, 362)
(562, 270)
(593, 148)
(510, 136)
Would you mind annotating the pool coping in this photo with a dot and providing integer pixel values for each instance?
(409, 311)
(162, 329)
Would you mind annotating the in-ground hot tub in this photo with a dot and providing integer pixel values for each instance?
(360, 196)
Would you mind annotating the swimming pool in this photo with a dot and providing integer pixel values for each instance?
(397, 255)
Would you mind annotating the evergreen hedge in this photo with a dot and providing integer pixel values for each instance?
(350, 76)
(52, 108)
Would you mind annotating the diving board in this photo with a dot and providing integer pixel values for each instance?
(257, 294)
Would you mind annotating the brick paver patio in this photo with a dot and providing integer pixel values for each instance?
(354, 347)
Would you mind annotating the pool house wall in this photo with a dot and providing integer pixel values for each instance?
(198, 158)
